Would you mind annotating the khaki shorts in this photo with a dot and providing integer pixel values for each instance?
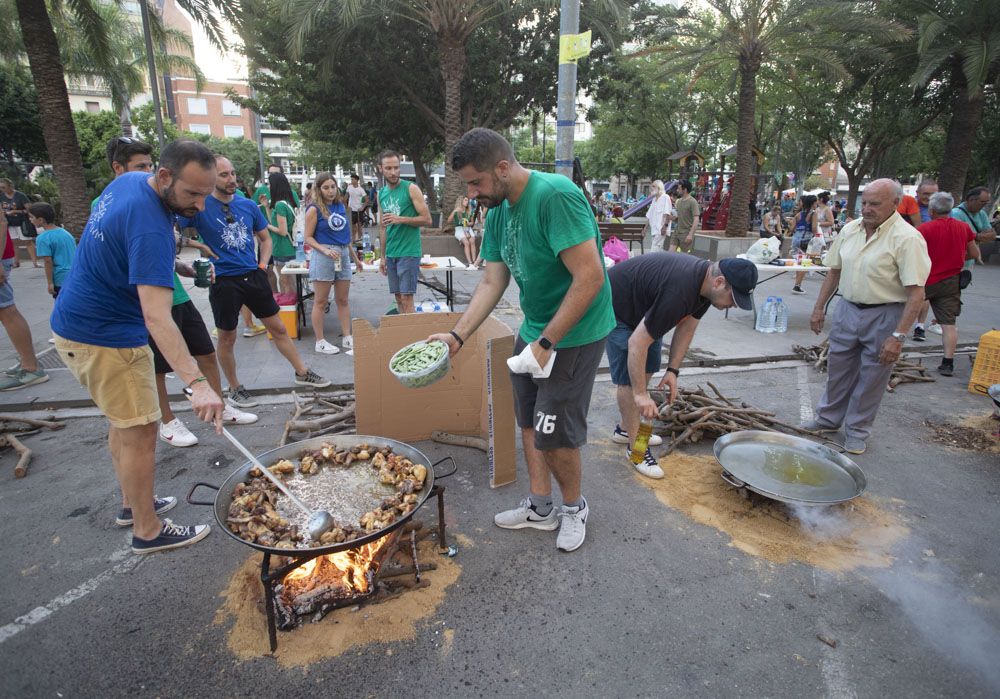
(946, 300)
(120, 380)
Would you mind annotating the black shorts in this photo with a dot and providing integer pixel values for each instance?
(229, 294)
(556, 407)
(194, 332)
(356, 217)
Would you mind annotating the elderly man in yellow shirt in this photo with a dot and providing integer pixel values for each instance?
(880, 263)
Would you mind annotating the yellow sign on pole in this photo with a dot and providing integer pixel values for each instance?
(573, 47)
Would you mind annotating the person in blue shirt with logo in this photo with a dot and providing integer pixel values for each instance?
(328, 233)
(121, 283)
(228, 224)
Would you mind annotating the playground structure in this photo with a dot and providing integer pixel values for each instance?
(712, 188)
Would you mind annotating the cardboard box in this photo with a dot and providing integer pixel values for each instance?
(475, 398)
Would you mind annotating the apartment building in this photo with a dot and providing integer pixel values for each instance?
(211, 111)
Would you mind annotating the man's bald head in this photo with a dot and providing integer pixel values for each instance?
(879, 201)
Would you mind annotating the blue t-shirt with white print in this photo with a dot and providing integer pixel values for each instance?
(230, 235)
(129, 240)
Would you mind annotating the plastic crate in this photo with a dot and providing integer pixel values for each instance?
(986, 370)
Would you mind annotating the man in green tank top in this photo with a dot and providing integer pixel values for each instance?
(540, 229)
(403, 212)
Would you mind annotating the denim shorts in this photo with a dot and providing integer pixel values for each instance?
(403, 273)
(321, 267)
(617, 349)
(6, 290)
(800, 240)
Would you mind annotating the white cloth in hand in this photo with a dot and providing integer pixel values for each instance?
(525, 363)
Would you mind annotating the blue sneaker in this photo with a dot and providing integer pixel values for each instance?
(172, 536)
(161, 505)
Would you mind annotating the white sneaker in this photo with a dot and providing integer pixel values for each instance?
(523, 516)
(934, 328)
(233, 416)
(648, 466)
(620, 436)
(472, 268)
(176, 434)
(572, 527)
(324, 347)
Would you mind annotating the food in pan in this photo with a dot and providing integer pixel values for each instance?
(253, 514)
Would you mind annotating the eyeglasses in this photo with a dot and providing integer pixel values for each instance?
(228, 214)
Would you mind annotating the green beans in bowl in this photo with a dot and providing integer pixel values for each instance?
(420, 364)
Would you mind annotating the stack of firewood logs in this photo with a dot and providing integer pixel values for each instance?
(696, 415)
(315, 414)
(14, 427)
(904, 371)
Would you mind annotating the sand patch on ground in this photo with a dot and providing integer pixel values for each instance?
(836, 538)
(338, 631)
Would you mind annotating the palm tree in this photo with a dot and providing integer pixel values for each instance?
(959, 40)
(35, 19)
(452, 22)
(739, 37)
(126, 75)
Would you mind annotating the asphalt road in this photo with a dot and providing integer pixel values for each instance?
(652, 605)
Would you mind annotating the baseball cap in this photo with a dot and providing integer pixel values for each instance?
(742, 277)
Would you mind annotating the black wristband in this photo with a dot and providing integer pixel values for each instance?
(461, 342)
(675, 372)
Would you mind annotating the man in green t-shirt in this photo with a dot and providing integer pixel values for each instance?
(540, 230)
(403, 212)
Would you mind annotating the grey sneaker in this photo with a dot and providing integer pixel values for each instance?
(523, 516)
(23, 379)
(240, 397)
(853, 445)
(310, 378)
(12, 371)
(572, 527)
(817, 426)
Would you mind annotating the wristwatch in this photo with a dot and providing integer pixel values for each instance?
(675, 372)
(545, 343)
(900, 336)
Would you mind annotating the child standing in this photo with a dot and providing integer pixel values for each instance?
(55, 246)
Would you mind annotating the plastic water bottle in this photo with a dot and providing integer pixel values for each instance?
(765, 317)
(300, 250)
(366, 241)
(780, 316)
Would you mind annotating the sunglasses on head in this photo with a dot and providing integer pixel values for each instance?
(228, 214)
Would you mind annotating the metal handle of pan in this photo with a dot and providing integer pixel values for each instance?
(190, 496)
(437, 475)
(732, 480)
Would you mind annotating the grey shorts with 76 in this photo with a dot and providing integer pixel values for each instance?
(556, 407)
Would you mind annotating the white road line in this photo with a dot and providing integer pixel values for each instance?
(805, 400)
(41, 613)
(836, 677)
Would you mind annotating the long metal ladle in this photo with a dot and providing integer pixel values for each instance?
(320, 521)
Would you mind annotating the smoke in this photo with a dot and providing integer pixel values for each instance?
(932, 600)
(822, 522)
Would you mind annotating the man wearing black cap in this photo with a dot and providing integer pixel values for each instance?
(652, 295)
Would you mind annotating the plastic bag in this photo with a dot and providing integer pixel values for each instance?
(764, 250)
(816, 245)
(616, 250)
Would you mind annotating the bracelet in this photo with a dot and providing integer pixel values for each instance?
(461, 342)
(675, 372)
(200, 378)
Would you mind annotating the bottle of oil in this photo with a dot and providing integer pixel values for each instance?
(641, 440)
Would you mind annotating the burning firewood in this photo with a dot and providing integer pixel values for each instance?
(695, 415)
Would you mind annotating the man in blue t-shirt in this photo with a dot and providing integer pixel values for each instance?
(121, 283)
(228, 225)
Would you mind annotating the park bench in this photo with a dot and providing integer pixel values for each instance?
(625, 232)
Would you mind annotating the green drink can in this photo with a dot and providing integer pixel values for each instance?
(203, 273)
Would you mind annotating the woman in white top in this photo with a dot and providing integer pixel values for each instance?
(659, 215)
(822, 218)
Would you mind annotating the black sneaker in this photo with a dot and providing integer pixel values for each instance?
(919, 335)
(946, 369)
(172, 536)
(311, 378)
(161, 505)
(240, 397)
(797, 289)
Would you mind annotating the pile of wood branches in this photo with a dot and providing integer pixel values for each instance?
(904, 371)
(316, 414)
(814, 354)
(696, 415)
(13, 427)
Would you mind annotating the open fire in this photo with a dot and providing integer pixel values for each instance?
(345, 575)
